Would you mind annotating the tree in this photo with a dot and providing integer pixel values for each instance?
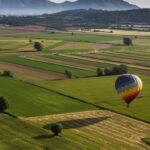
(3, 104)
(38, 46)
(100, 72)
(127, 41)
(56, 128)
(107, 71)
(123, 69)
(7, 73)
(68, 74)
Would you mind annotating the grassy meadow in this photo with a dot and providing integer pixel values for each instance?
(28, 100)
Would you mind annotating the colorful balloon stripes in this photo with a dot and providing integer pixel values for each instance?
(128, 87)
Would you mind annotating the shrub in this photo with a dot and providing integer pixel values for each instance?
(127, 41)
(100, 72)
(30, 41)
(3, 104)
(38, 46)
(56, 128)
(7, 73)
(68, 74)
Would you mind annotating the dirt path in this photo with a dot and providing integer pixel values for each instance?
(60, 62)
(99, 123)
(29, 73)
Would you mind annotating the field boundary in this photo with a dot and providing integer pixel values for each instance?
(83, 101)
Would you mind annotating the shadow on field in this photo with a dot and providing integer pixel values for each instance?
(40, 137)
(78, 123)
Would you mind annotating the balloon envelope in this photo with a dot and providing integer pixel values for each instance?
(128, 87)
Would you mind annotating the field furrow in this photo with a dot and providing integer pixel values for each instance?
(102, 125)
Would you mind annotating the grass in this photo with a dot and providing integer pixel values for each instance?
(14, 45)
(29, 100)
(93, 130)
(75, 60)
(78, 37)
(47, 66)
(16, 134)
(101, 92)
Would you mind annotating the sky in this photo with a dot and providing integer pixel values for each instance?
(141, 3)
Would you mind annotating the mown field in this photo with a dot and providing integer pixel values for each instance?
(88, 106)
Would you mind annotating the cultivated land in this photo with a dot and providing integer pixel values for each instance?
(26, 73)
(87, 106)
(97, 130)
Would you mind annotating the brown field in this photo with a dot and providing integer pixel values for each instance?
(100, 124)
(28, 29)
(99, 46)
(30, 74)
(66, 45)
(79, 45)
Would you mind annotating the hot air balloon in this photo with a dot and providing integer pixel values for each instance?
(128, 87)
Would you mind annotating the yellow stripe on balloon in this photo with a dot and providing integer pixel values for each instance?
(130, 91)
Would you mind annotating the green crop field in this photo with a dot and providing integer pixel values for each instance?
(29, 100)
(76, 60)
(101, 92)
(48, 66)
(79, 37)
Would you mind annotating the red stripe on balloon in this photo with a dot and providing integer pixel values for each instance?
(128, 99)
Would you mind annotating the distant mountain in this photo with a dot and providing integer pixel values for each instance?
(82, 18)
(98, 4)
(31, 7)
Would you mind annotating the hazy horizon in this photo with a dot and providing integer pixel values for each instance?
(143, 3)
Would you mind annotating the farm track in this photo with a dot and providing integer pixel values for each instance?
(82, 57)
(102, 125)
(60, 62)
(30, 74)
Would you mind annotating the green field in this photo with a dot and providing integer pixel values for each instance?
(75, 60)
(16, 134)
(29, 100)
(79, 37)
(101, 92)
(48, 66)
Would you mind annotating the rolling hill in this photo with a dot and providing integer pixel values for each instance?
(30, 7)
